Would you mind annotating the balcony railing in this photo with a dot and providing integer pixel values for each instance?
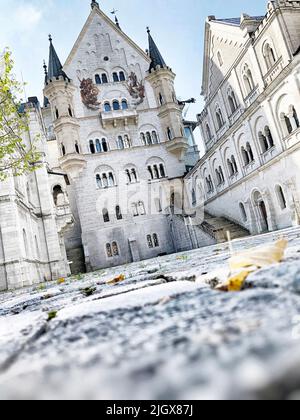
(125, 115)
(274, 71)
(252, 96)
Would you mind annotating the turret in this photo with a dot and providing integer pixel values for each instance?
(59, 91)
(161, 77)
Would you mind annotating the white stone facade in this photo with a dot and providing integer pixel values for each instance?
(250, 124)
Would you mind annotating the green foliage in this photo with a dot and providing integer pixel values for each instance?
(16, 158)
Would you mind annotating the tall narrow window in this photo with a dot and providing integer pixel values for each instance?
(116, 77)
(109, 251)
(143, 138)
(107, 107)
(161, 99)
(115, 249)
(155, 240)
(154, 137)
(121, 145)
(119, 215)
(141, 208)
(92, 147)
(269, 137)
(169, 133)
(99, 181)
(281, 197)
(98, 146)
(149, 241)
(162, 171)
(104, 78)
(295, 116)
(105, 215)
(149, 138)
(122, 76)
(250, 152)
(208, 132)
(104, 145)
(116, 106)
(63, 150)
(124, 104)
(263, 142)
(243, 212)
(77, 148)
(98, 79)
(288, 124)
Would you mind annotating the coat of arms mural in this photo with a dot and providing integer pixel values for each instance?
(89, 94)
(136, 89)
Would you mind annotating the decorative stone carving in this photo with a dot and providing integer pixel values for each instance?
(136, 89)
(89, 94)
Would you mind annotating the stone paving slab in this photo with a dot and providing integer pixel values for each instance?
(163, 333)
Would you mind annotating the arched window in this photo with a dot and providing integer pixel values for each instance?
(98, 79)
(115, 249)
(246, 157)
(77, 150)
(288, 124)
(281, 197)
(105, 215)
(141, 208)
(149, 138)
(109, 251)
(208, 132)
(264, 145)
(104, 146)
(269, 137)
(143, 138)
(248, 80)
(161, 99)
(296, 119)
(104, 181)
(92, 147)
(269, 56)
(127, 142)
(235, 167)
(111, 180)
(107, 107)
(250, 152)
(124, 104)
(57, 190)
(154, 137)
(98, 146)
(104, 78)
(230, 167)
(232, 102)
(162, 171)
(150, 172)
(155, 240)
(149, 241)
(116, 106)
(119, 215)
(134, 208)
(120, 142)
(243, 212)
(116, 77)
(219, 117)
(63, 150)
(99, 181)
(122, 76)
(134, 175)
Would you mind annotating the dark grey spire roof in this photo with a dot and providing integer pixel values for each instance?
(55, 68)
(154, 53)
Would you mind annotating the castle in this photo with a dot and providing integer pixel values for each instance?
(121, 178)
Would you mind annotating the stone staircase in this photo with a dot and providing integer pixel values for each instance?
(217, 228)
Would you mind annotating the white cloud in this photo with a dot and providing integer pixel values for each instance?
(27, 16)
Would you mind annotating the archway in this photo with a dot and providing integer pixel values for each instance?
(262, 212)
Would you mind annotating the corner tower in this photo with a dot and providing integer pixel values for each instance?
(161, 78)
(59, 91)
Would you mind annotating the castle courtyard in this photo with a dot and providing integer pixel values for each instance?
(160, 333)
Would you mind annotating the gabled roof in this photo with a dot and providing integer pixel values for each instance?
(97, 11)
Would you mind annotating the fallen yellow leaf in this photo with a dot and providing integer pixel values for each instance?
(236, 282)
(116, 280)
(259, 257)
(61, 281)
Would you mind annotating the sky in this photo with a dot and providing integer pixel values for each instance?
(177, 27)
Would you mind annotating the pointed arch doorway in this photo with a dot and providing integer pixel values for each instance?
(261, 212)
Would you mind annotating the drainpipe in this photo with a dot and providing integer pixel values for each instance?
(4, 263)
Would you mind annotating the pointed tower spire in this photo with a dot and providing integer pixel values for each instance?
(154, 53)
(55, 68)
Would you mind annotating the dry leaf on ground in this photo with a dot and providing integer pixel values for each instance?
(116, 280)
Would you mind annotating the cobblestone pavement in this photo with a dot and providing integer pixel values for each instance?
(163, 333)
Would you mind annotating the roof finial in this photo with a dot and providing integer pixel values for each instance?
(50, 37)
(114, 12)
(94, 4)
(148, 30)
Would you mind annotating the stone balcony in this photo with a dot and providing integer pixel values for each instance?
(252, 96)
(236, 115)
(274, 71)
(124, 116)
(178, 146)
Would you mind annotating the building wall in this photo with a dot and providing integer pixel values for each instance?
(271, 177)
